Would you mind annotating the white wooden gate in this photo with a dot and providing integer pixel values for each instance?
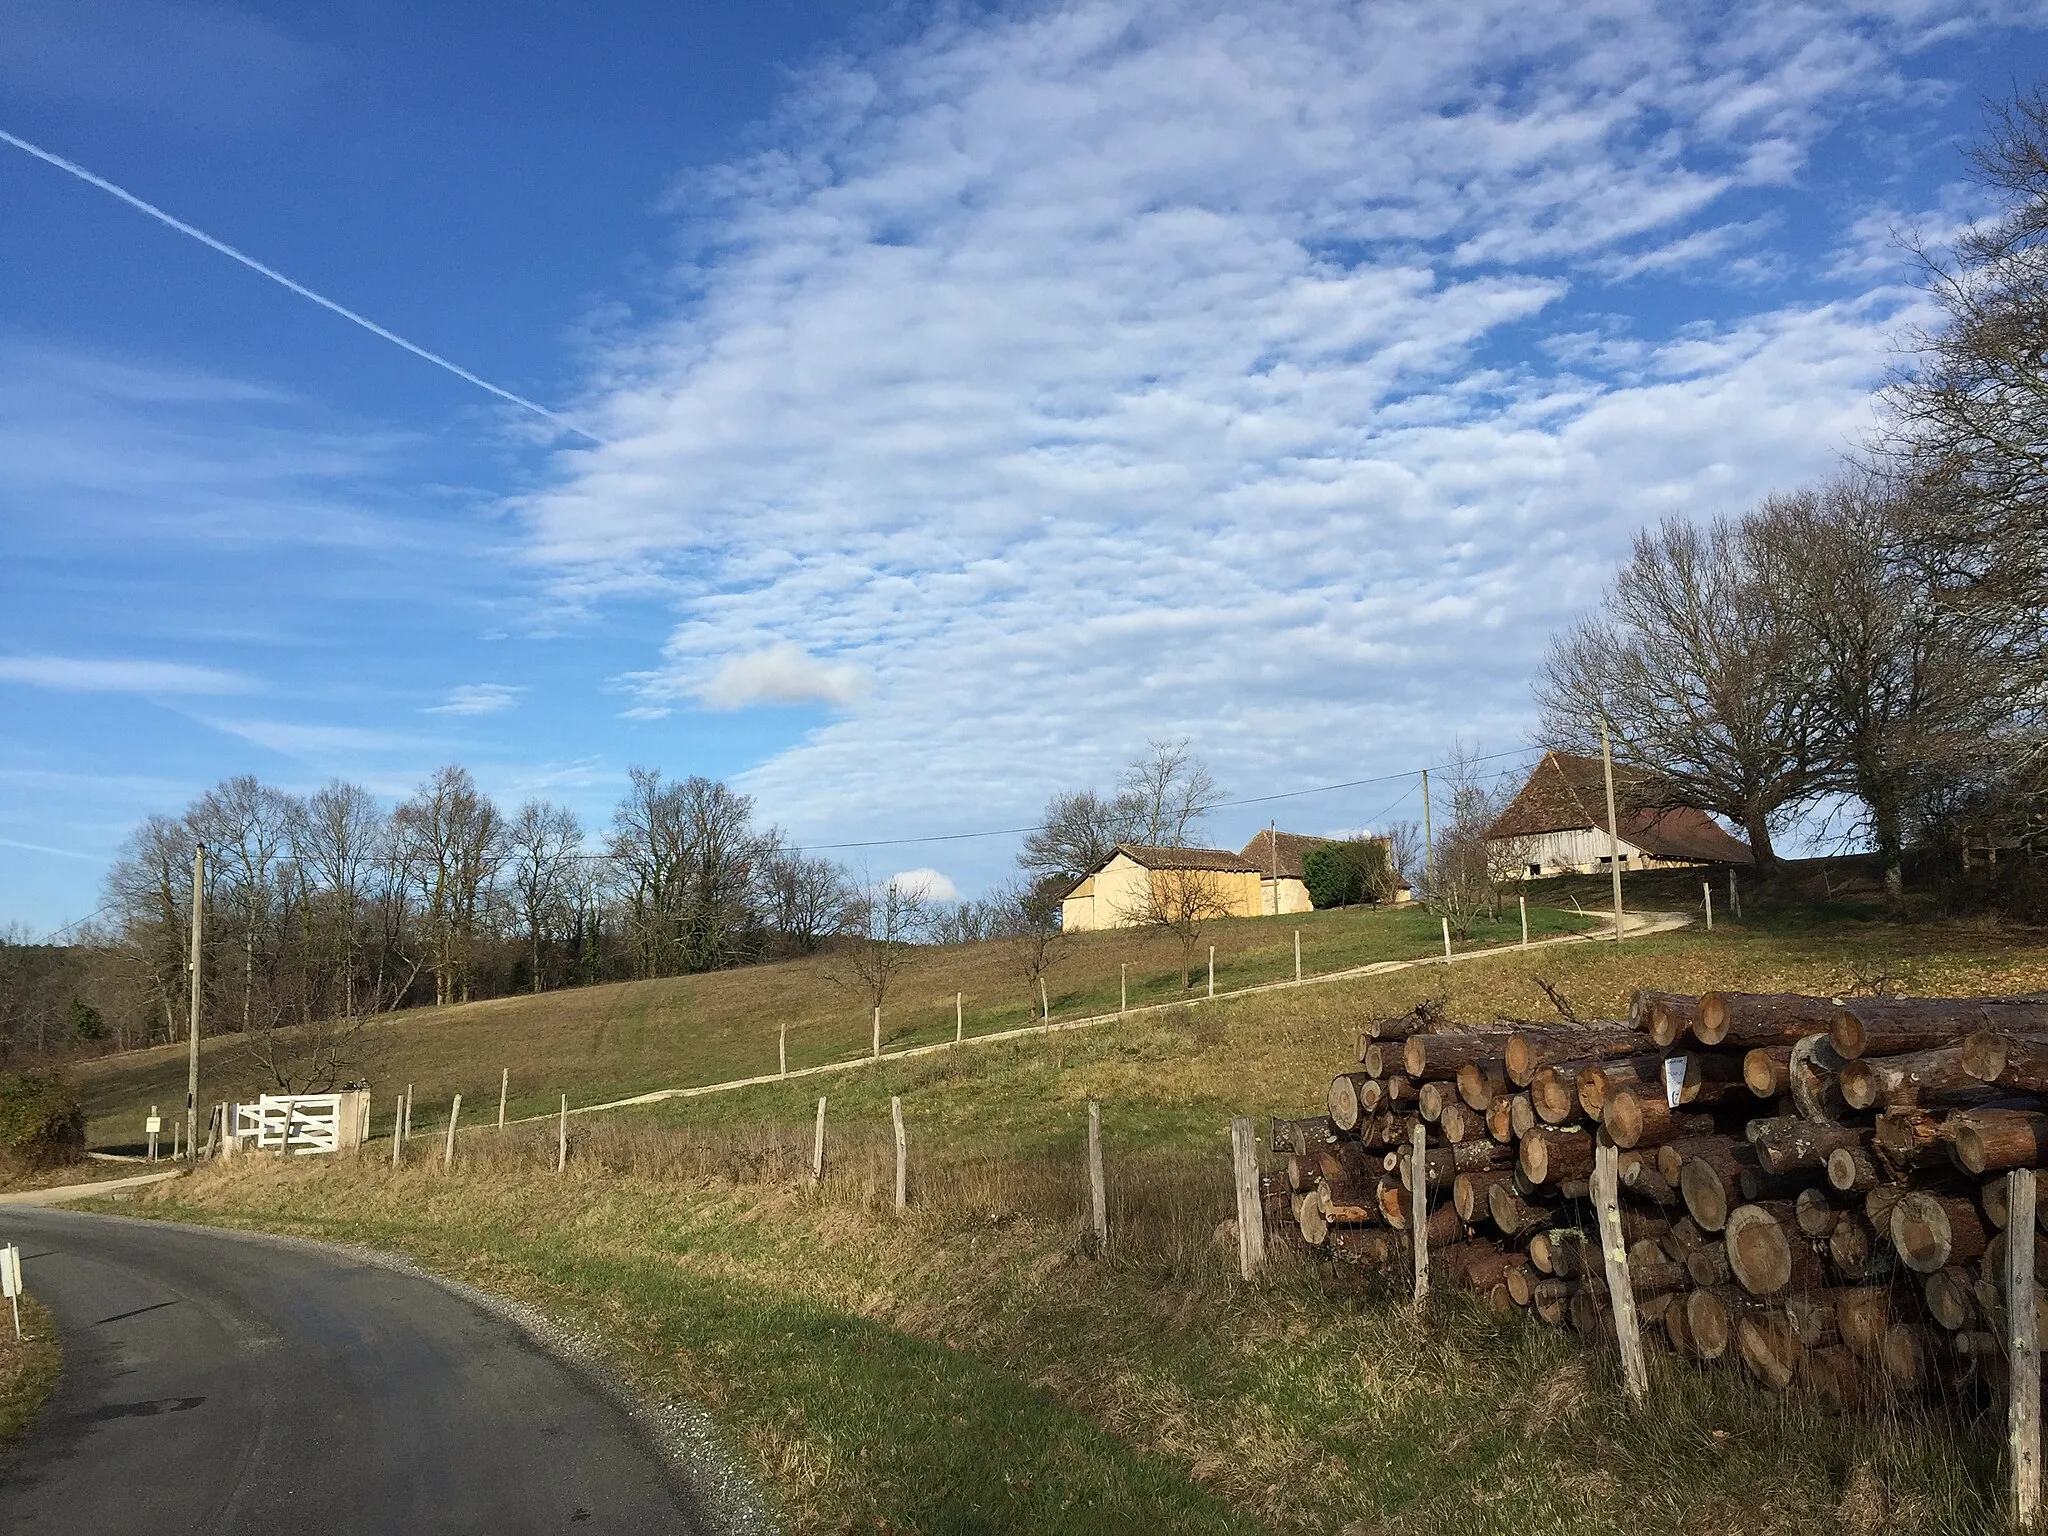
(300, 1123)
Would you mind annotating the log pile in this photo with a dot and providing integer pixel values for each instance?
(1811, 1188)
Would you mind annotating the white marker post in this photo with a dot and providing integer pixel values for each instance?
(1212, 970)
(1523, 902)
(1123, 988)
(504, 1087)
(877, 1052)
(448, 1156)
(959, 1016)
(10, 1281)
(782, 1050)
(1297, 957)
(1044, 1003)
(1707, 895)
(562, 1137)
(1447, 941)
(154, 1127)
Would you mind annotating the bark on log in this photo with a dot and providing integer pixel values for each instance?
(1440, 1055)
(1709, 1266)
(1342, 1100)
(1302, 1136)
(1637, 1117)
(1879, 1203)
(1348, 1202)
(1469, 1191)
(1551, 1154)
(1888, 1026)
(1814, 1213)
(2011, 1060)
(1676, 1331)
(1767, 1070)
(1991, 1197)
(1862, 1316)
(1933, 1231)
(1710, 1320)
(1857, 1251)
(1852, 1170)
(1444, 1164)
(1397, 1029)
(1529, 1049)
(1814, 1075)
(1369, 1247)
(1672, 1155)
(1710, 1180)
(1988, 1140)
(1521, 1281)
(1684, 1239)
(1382, 1058)
(1790, 1144)
(1834, 1375)
(1744, 1019)
(1663, 1016)
(1560, 1251)
(1639, 1176)
(1812, 1314)
(1908, 1354)
(1909, 1138)
(1515, 1214)
(1432, 1098)
(1766, 1251)
(1554, 1093)
(1951, 1297)
(1498, 1123)
(1457, 1123)
(1918, 1077)
(1598, 1079)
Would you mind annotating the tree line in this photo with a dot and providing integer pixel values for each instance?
(1871, 646)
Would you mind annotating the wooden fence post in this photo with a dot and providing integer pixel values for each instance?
(504, 1087)
(1621, 1296)
(397, 1124)
(1123, 988)
(408, 1111)
(1297, 957)
(1418, 1212)
(2023, 1348)
(1707, 893)
(1523, 902)
(1212, 970)
(782, 1049)
(1044, 1003)
(1734, 898)
(1447, 941)
(959, 1016)
(1097, 1198)
(1251, 1210)
(562, 1137)
(448, 1156)
(877, 1051)
(902, 1155)
(818, 1146)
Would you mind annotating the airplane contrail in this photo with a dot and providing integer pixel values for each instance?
(73, 168)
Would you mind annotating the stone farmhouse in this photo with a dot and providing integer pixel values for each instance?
(1262, 880)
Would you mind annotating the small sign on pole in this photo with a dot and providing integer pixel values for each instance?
(1674, 1081)
(10, 1281)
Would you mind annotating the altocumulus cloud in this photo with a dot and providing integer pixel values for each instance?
(1270, 374)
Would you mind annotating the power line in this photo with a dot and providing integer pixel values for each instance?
(73, 168)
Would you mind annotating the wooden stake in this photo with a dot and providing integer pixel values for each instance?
(1097, 1199)
(1614, 1250)
(1251, 1208)
(504, 1087)
(1297, 957)
(2023, 1351)
(1212, 970)
(877, 1052)
(959, 1015)
(818, 1147)
(1044, 1006)
(902, 1155)
(448, 1156)
(1523, 903)
(782, 1049)
(1734, 898)
(1447, 941)
(1613, 828)
(1707, 894)
(408, 1111)
(1123, 988)
(1418, 1216)
(397, 1124)
(562, 1137)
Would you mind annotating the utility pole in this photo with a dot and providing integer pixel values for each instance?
(192, 1059)
(1273, 843)
(1428, 842)
(1613, 827)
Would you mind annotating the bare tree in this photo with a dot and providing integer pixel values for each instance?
(337, 836)
(688, 854)
(1703, 680)
(1170, 791)
(879, 939)
(1078, 831)
(1183, 902)
(1026, 918)
(1403, 840)
(246, 827)
(543, 844)
(806, 896)
(149, 894)
(457, 842)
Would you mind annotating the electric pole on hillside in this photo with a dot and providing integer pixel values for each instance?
(1613, 827)
(198, 982)
(1428, 842)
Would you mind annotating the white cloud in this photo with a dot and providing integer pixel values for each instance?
(77, 674)
(1136, 368)
(781, 674)
(927, 883)
(477, 699)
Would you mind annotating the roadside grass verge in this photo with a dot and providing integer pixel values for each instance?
(29, 1368)
(971, 1366)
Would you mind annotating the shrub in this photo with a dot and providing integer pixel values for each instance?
(1339, 874)
(41, 1122)
(86, 1022)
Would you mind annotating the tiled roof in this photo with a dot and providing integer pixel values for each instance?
(1292, 845)
(1567, 793)
(1184, 858)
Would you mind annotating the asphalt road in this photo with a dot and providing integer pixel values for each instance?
(218, 1384)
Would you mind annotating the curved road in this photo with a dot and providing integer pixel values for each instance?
(219, 1384)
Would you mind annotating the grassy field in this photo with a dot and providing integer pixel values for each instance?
(972, 1366)
(601, 1043)
(29, 1368)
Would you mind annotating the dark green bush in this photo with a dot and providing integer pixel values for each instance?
(1341, 874)
(86, 1023)
(41, 1122)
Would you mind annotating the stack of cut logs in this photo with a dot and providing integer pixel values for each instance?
(1810, 1185)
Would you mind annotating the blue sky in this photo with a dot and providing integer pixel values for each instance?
(980, 391)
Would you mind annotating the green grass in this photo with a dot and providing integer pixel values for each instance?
(600, 1043)
(968, 1366)
(29, 1368)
